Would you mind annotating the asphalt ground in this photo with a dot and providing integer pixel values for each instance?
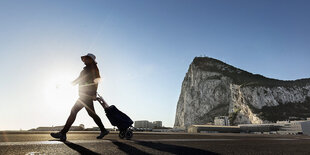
(152, 143)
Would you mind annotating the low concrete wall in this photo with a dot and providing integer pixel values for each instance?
(259, 128)
(212, 128)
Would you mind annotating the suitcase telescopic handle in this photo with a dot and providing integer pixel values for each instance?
(102, 102)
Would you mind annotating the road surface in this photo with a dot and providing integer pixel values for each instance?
(35, 143)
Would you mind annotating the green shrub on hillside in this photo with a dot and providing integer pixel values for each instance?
(242, 77)
(283, 111)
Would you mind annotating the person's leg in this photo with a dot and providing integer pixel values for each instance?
(91, 112)
(89, 106)
(75, 109)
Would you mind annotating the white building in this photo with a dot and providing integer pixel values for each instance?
(291, 127)
(221, 121)
(157, 124)
(147, 124)
(143, 124)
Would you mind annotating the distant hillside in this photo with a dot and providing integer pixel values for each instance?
(213, 88)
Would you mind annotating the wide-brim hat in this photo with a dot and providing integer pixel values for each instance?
(92, 56)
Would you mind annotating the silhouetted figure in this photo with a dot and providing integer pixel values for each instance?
(88, 84)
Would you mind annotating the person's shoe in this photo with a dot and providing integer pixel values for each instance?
(102, 134)
(61, 136)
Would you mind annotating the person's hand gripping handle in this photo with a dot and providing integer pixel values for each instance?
(102, 102)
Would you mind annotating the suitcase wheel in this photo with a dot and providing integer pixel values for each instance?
(128, 134)
(122, 134)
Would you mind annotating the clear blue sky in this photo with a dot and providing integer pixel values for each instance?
(143, 50)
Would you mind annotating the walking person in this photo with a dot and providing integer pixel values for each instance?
(88, 84)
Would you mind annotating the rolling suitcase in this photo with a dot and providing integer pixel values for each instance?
(117, 118)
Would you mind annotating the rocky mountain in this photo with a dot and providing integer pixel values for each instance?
(213, 88)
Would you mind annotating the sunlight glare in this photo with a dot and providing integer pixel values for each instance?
(60, 91)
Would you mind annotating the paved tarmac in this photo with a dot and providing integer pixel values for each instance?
(35, 143)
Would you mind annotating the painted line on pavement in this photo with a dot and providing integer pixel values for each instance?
(107, 141)
(181, 140)
(136, 140)
(52, 142)
(283, 139)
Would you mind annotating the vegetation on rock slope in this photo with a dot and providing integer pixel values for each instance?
(242, 77)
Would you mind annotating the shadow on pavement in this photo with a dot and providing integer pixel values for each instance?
(174, 149)
(127, 148)
(80, 149)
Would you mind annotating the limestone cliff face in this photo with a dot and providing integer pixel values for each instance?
(212, 88)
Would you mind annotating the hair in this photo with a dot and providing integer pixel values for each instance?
(95, 70)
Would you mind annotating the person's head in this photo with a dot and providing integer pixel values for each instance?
(89, 59)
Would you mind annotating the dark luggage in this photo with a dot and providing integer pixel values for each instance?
(117, 118)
